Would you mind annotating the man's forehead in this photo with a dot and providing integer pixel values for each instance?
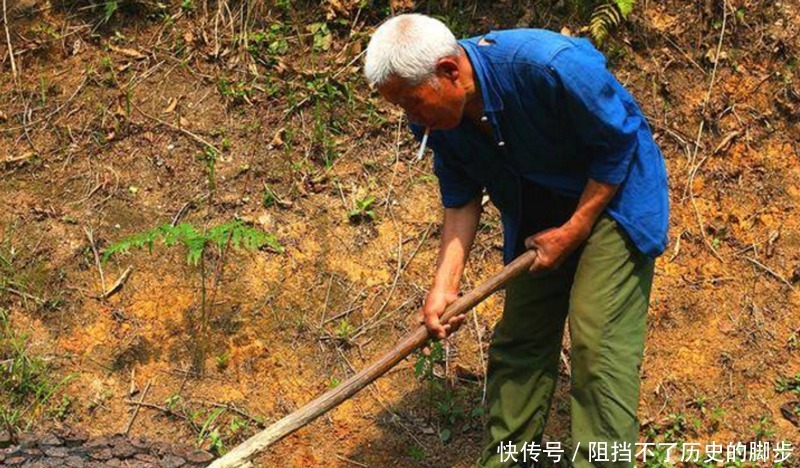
(396, 89)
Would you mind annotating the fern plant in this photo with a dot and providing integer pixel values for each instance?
(608, 16)
(202, 247)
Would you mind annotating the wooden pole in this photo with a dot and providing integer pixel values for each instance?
(240, 455)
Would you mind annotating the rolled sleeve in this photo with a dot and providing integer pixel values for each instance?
(455, 186)
(596, 109)
(457, 189)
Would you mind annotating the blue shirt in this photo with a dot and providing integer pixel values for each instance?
(558, 117)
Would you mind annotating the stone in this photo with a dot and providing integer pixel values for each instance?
(171, 461)
(14, 461)
(98, 442)
(5, 439)
(56, 452)
(146, 458)
(27, 440)
(31, 452)
(75, 437)
(101, 454)
(74, 461)
(123, 449)
(51, 440)
(199, 457)
(140, 443)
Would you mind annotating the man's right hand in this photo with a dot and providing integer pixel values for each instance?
(435, 304)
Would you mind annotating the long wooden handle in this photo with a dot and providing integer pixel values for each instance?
(239, 456)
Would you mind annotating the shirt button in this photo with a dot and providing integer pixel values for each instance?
(501, 143)
(484, 119)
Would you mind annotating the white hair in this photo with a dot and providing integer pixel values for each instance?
(408, 46)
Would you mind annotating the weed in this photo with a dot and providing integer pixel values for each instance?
(209, 432)
(209, 157)
(416, 452)
(236, 92)
(362, 211)
(345, 330)
(791, 385)
(764, 429)
(222, 361)
(269, 198)
(265, 46)
(322, 36)
(198, 254)
(26, 378)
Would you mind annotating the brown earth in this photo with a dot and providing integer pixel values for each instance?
(101, 131)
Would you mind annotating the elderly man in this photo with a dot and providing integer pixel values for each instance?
(536, 119)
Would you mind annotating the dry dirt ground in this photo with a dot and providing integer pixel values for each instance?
(206, 113)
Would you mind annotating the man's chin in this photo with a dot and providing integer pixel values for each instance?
(444, 125)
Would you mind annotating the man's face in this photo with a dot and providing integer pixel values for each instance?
(438, 103)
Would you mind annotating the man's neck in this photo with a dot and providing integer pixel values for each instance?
(473, 108)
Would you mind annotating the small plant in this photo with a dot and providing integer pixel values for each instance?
(322, 36)
(236, 92)
(345, 330)
(265, 46)
(608, 16)
(363, 210)
(764, 429)
(791, 385)
(209, 157)
(220, 239)
(222, 361)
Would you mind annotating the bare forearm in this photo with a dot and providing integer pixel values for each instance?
(594, 199)
(458, 234)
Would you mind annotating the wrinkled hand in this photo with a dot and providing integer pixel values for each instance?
(435, 304)
(553, 246)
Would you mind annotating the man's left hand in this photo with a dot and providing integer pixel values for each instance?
(554, 245)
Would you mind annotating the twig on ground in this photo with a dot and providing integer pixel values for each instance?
(117, 284)
(8, 42)
(136, 408)
(771, 272)
(188, 133)
(694, 168)
(96, 259)
(480, 351)
(25, 295)
(163, 409)
(232, 408)
(352, 462)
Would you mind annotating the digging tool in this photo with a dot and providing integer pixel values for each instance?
(240, 455)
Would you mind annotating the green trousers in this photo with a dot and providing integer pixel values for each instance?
(604, 293)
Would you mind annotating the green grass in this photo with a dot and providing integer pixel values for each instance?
(27, 379)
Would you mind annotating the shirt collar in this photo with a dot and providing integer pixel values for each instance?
(491, 98)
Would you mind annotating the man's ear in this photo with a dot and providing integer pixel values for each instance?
(447, 67)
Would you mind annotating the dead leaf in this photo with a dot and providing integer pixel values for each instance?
(183, 122)
(132, 53)
(3, 116)
(790, 413)
(20, 159)
(726, 141)
(77, 46)
(173, 103)
(277, 140)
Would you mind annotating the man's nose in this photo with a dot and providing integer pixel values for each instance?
(415, 118)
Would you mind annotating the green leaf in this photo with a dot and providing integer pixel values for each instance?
(625, 6)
